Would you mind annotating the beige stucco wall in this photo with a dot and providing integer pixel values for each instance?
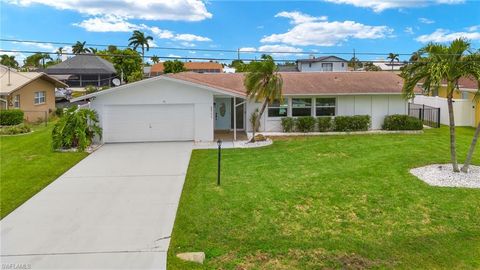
(27, 96)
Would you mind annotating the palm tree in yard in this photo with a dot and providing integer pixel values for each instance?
(440, 64)
(79, 48)
(263, 83)
(393, 57)
(138, 39)
(155, 59)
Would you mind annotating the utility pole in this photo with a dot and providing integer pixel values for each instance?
(238, 53)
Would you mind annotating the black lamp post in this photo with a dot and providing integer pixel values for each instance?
(219, 143)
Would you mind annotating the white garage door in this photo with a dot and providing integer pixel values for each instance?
(148, 123)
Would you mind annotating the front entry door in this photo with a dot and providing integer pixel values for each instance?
(222, 113)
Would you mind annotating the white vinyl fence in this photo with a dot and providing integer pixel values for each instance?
(463, 109)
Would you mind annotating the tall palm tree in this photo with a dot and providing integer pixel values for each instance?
(93, 50)
(155, 59)
(263, 83)
(79, 48)
(59, 53)
(9, 61)
(441, 64)
(138, 39)
(393, 57)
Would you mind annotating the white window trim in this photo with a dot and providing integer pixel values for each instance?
(312, 107)
(315, 109)
(280, 117)
(15, 101)
(44, 98)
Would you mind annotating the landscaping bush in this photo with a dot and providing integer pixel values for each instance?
(11, 117)
(12, 130)
(305, 123)
(351, 123)
(76, 129)
(402, 122)
(324, 123)
(288, 124)
(90, 89)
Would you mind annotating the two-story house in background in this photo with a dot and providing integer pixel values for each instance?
(322, 64)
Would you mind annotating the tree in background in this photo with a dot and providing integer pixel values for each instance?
(263, 84)
(37, 60)
(9, 61)
(174, 66)
(415, 56)
(355, 63)
(79, 48)
(155, 59)
(439, 64)
(369, 66)
(111, 48)
(59, 54)
(93, 50)
(239, 66)
(127, 63)
(138, 39)
(393, 57)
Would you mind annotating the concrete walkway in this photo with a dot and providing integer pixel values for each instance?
(113, 210)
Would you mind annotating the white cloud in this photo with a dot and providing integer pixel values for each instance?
(381, 5)
(36, 46)
(325, 33)
(442, 35)
(19, 57)
(248, 49)
(108, 23)
(298, 17)
(187, 44)
(174, 55)
(160, 33)
(426, 21)
(473, 28)
(190, 37)
(175, 10)
(276, 50)
(409, 30)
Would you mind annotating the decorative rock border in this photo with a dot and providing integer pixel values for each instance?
(247, 144)
(442, 175)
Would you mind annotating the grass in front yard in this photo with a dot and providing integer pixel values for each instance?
(28, 164)
(329, 202)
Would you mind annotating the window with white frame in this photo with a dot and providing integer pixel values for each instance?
(325, 106)
(16, 101)
(327, 66)
(278, 109)
(301, 106)
(39, 97)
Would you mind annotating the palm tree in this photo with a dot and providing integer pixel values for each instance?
(155, 59)
(59, 53)
(263, 83)
(93, 50)
(415, 56)
(441, 64)
(79, 48)
(9, 61)
(393, 57)
(138, 39)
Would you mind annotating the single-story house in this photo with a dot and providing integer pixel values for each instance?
(199, 67)
(31, 92)
(84, 70)
(193, 106)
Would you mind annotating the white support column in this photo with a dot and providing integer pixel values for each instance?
(234, 118)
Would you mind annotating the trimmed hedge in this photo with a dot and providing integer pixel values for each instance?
(402, 122)
(11, 117)
(324, 123)
(351, 123)
(305, 123)
(287, 124)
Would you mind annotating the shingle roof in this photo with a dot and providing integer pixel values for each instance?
(158, 68)
(82, 64)
(308, 83)
(15, 80)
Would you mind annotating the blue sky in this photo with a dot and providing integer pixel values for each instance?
(322, 26)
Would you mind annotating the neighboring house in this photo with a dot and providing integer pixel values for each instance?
(190, 106)
(287, 68)
(322, 64)
(84, 70)
(31, 92)
(466, 108)
(387, 66)
(146, 71)
(199, 67)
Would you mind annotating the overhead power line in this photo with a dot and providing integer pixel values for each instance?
(237, 51)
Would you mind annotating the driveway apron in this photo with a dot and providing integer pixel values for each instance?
(113, 210)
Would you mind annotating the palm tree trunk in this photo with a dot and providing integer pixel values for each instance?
(470, 151)
(453, 150)
(143, 57)
(257, 123)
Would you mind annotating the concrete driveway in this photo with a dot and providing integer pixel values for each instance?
(113, 210)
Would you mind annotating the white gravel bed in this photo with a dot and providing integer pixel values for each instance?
(442, 175)
(247, 144)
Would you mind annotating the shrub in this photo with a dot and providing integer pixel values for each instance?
(351, 123)
(59, 112)
(402, 122)
(11, 117)
(324, 123)
(12, 130)
(76, 129)
(90, 89)
(288, 124)
(305, 123)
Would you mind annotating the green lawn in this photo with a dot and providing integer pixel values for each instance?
(329, 202)
(28, 164)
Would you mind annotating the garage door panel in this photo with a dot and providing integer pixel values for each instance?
(143, 123)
